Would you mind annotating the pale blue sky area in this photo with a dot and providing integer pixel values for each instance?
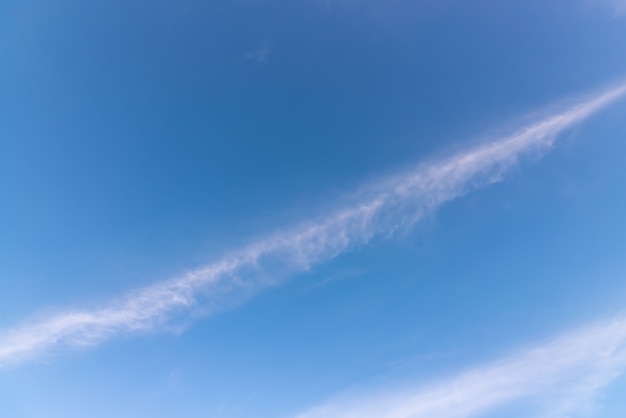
(142, 141)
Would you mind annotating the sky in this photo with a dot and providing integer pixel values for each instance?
(313, 209)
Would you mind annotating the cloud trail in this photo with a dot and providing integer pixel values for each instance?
(564, 375)
(395, 203)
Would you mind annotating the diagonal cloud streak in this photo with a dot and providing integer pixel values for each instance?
(387, 206)
(563, 374)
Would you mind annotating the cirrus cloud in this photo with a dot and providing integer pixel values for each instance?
(385, 207)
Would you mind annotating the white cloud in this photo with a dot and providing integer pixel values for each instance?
(386, 206)
(562, 375)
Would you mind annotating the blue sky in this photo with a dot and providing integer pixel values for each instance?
(312, 209)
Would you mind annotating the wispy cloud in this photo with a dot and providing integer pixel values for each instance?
(261, 54)
(561, 376)
(618, 6)
(336, 277)
(391, 204)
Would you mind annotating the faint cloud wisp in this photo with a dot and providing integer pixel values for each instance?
(618, 7)
(261, 54)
